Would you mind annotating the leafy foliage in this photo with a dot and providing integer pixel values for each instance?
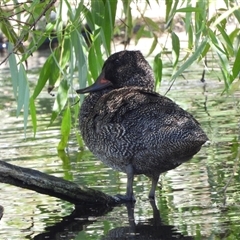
(85, 34)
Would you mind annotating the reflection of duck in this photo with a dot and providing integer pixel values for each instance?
(150, 229)
(133, 129)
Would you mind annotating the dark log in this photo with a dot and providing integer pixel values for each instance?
(53, 186)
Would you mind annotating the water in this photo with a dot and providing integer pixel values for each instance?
(198, 200)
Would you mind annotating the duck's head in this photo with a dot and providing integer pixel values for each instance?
(121, 69)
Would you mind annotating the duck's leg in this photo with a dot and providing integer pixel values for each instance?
(153, 188)
(129, 193)
(130, 177)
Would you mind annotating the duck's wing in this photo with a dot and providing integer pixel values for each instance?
(121, 105)
(138, 124)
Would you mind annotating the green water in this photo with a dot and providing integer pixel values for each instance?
(198, 200)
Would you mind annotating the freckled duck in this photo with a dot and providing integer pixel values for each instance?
(133, 129)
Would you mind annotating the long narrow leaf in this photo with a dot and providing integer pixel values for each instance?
(33, 115)
(61, 99)
(13, 70)
(65, 52)
(82, 66)
(151, 24)
(22, 85)
(89, 17)
(225, 15)
(25, 109)
(237, 15)
(23, 96)
(170, 12)
(168, 9)
(99, 58)
(139, 34)
(224, 66)
(154, 44)
(46, 71)
(236, 65)
(157, 69)
(175, 49)
(108, 23)
(216, 41)
(226, 39)
(191, 59)
(76, 123)
(232, 36)
(65, 129)
(188, 20)
(190, 37)
(92, 62)
(128, 14)
(97, 10)
(205, 51)
(189, 9)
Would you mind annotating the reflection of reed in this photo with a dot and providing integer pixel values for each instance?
(1, 212)
(149, 229)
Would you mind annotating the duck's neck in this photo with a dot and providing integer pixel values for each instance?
(94, 96)
(91, 100)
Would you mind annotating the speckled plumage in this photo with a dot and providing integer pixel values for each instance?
(133, 129)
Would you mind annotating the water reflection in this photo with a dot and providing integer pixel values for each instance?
(145, 229)
(70, 226)
(1, 212)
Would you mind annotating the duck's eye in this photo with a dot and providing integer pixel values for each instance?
(117, 61)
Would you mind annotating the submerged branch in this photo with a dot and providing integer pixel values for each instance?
(52, 186)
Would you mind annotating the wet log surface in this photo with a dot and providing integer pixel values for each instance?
(53, 186)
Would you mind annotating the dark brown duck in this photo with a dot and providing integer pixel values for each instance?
(133, 129)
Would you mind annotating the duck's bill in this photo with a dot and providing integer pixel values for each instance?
(100, 84)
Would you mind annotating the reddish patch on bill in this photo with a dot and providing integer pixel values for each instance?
(103, 81)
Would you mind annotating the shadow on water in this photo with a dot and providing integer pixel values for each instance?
(146, 229)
